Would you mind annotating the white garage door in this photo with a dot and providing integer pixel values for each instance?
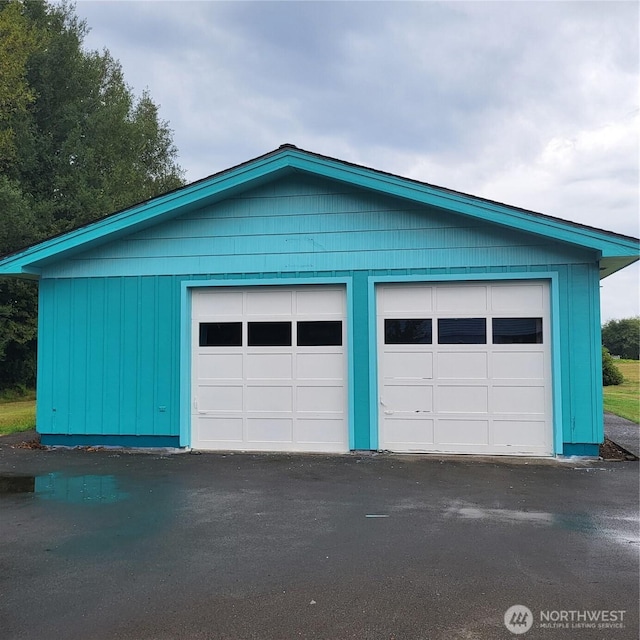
(269, 369)
(465, 368)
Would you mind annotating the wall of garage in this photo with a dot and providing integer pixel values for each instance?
(111, 331)
(112, 351)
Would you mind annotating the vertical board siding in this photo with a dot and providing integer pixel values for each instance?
(109, 356)
(581, 363)
(596, 340)
(580, 354)
(113, 354)
(583, 359)
(94, 376)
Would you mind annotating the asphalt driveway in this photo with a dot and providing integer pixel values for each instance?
(106, 544)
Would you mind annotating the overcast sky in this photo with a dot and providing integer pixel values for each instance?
(533, 104)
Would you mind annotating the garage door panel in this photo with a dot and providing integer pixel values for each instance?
(226, 303)
(269, 303)
(408, 398)
(318, 431)
(219, 429)
(219, 366)
(309, 303)
(523, 433)
(269, 398)
(462, 432)
(461, 299)
(518, 299)
(519, 399)
(324, 366)
(269, 430)
(406, 365)
(320, 399)
(407, 300)
(462, 399)
(220, 398)
(470, 365)
(267, 366)
(409, 434)
(518, 364)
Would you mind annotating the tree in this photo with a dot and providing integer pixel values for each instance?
(622, 337)
(17, 43)
(610, 373)
(18, 299)
(75, 145)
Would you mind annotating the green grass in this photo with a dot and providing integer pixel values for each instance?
(624, 399)
(17, 411)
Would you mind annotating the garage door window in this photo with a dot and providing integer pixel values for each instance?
(517, 331)
(221, 334)
(269, 334)
(407, 331)
(322, 333)
(462, 330)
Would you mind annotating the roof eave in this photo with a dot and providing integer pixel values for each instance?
(611, 265)
(288, 158)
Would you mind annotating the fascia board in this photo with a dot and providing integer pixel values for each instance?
(27, 273)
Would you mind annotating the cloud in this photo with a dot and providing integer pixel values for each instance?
(533, 104)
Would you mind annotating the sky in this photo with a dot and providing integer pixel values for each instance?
(533, 104)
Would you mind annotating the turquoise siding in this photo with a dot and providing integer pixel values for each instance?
(361, 356)
(108, 356)
(309, 225)
(110, 319)
(581, 354)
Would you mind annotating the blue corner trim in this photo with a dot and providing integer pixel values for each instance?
(556, 364)
(63, 440)
(374, 392)
(185, 365)
(581, 449)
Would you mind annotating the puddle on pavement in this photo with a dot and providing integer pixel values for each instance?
(87, 489)
(573, 522)
(17, 484)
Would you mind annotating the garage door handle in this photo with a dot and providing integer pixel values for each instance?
(387, 411)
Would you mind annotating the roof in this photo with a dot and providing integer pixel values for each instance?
(616, 251)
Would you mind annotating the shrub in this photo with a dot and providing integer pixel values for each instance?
(610, 373)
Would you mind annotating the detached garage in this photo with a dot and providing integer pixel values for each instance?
(300, 303)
